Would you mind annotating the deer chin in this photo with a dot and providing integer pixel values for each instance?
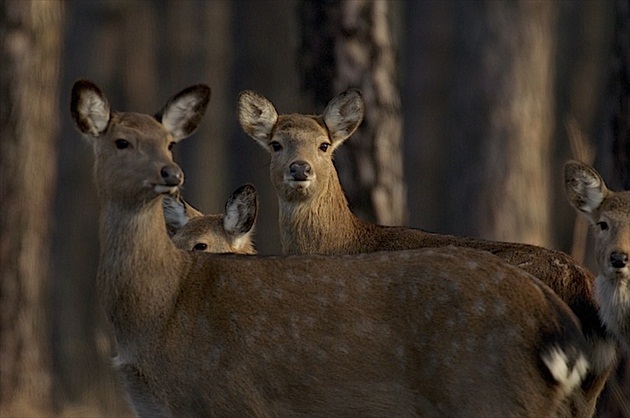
(294, 189)
(165, 189)
(617, 274)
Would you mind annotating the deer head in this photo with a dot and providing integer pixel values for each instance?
(301, 146)
(230, 232)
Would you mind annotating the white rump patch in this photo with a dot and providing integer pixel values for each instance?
(558, 364)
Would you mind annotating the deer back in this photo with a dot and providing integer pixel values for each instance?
(444, 332)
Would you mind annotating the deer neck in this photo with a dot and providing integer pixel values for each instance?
(613, 296)
(321, 224)
(139, 267)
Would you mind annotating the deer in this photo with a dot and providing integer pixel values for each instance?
(430, 332)
(229, 232)
(314, 216)
(609, 214)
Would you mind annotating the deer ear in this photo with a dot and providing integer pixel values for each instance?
(585, 188)
(183, 112)
(240, 216)
(257, 116)
(343, 115)
(177, 213)
(89, 108)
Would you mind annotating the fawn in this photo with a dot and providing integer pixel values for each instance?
(314, 217)
(431, 332)
(230, 232)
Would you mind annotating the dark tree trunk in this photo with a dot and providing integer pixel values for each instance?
(501, 124)
(350, 45)
(621, 96)
(29, 81)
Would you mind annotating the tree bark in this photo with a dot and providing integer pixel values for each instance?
(349, 44)
(621, 95)
(30, 55)
(501, 122)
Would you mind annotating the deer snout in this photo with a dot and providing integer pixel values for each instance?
(300, 170)
(172, 175)
(618, 259)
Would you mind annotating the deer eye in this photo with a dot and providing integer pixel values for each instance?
(275, 145)
(171, 145)
(603, 226)
(324, 147)
(121, 143)
(200, 247)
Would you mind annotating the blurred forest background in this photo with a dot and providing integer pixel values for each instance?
(472, 108)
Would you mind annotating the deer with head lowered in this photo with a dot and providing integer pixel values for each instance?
(609, 213)
(433, 332)
(314, 217)
(230, 232)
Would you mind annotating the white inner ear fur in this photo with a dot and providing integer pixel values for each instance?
(177, 115)
(591, 191)
(95, 111)
(230, 220)
(342, 116)
(258, 116)
(175, 213)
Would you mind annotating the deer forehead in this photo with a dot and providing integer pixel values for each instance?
(300, 129)
(139, 126)
(616, 209)
(207, 227)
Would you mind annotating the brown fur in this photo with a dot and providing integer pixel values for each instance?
(435, 332)
(314, 217)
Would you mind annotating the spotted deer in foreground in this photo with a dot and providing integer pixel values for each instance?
(609, 214)
(433, 332)
(229, 232)
(314, 217)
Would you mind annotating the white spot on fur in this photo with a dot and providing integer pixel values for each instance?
(558, 364)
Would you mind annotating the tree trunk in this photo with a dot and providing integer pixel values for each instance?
(501, 122)
(30, 54)
(349, 44)
(621, 96)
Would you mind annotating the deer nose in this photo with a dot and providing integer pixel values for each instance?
(300, 170)
(172, 175)
(618, 259)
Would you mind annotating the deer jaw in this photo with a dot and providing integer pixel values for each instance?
(609, 214)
